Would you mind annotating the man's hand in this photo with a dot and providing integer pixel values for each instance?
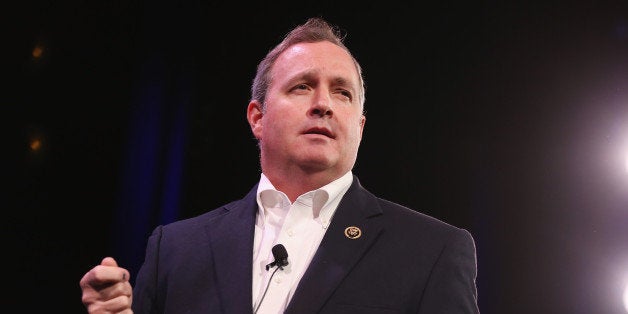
(106, 289)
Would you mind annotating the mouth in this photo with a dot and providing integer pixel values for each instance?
(320, 131)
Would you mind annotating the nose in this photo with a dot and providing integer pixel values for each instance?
(321, 107)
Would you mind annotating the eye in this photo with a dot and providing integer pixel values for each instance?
(346, 93)
(301, 87)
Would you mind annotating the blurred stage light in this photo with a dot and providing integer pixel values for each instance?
(35, 144)
(38, 51)
(626, 298)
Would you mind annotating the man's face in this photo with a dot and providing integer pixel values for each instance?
(313, 118)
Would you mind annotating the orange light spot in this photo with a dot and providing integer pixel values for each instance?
(38, 51)
(35, 145)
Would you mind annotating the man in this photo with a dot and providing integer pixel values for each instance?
(348, 250)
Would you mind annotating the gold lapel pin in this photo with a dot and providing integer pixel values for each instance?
(353, 232)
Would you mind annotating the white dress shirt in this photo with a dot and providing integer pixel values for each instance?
(300, 227)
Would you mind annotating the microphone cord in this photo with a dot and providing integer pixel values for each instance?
(266, 290)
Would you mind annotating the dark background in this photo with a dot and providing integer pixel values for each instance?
(508, 119)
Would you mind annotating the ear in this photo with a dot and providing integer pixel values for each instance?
(362, 122)
(254, 115)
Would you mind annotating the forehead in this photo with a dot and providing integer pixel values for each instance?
(320, 58)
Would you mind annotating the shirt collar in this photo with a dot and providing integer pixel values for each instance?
(320, 199)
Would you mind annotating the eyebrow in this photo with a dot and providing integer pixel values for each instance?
(311, 74)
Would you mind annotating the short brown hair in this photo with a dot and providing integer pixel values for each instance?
(313, 30)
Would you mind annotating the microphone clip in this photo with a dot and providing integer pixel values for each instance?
(279, 263)
(281, 257)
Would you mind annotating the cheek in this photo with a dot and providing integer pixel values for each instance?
(277, 125)
(355, 129)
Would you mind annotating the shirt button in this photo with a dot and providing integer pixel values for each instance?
(278, 280)
(290, 232)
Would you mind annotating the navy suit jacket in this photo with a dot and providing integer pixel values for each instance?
(403, 262)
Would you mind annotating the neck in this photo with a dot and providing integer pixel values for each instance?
(297, 183)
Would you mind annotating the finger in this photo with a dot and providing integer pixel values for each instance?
(116, 290)
(99, 299)
(101, 276)
(115, 305)
(110, 261)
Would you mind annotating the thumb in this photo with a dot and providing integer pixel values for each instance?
(109, 261)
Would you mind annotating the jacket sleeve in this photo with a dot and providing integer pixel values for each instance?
(451, 287)
(145, 290)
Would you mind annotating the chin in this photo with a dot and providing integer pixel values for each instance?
(317, 164)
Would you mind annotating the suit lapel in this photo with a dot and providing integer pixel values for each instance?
(231, 242)
(338, 253)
